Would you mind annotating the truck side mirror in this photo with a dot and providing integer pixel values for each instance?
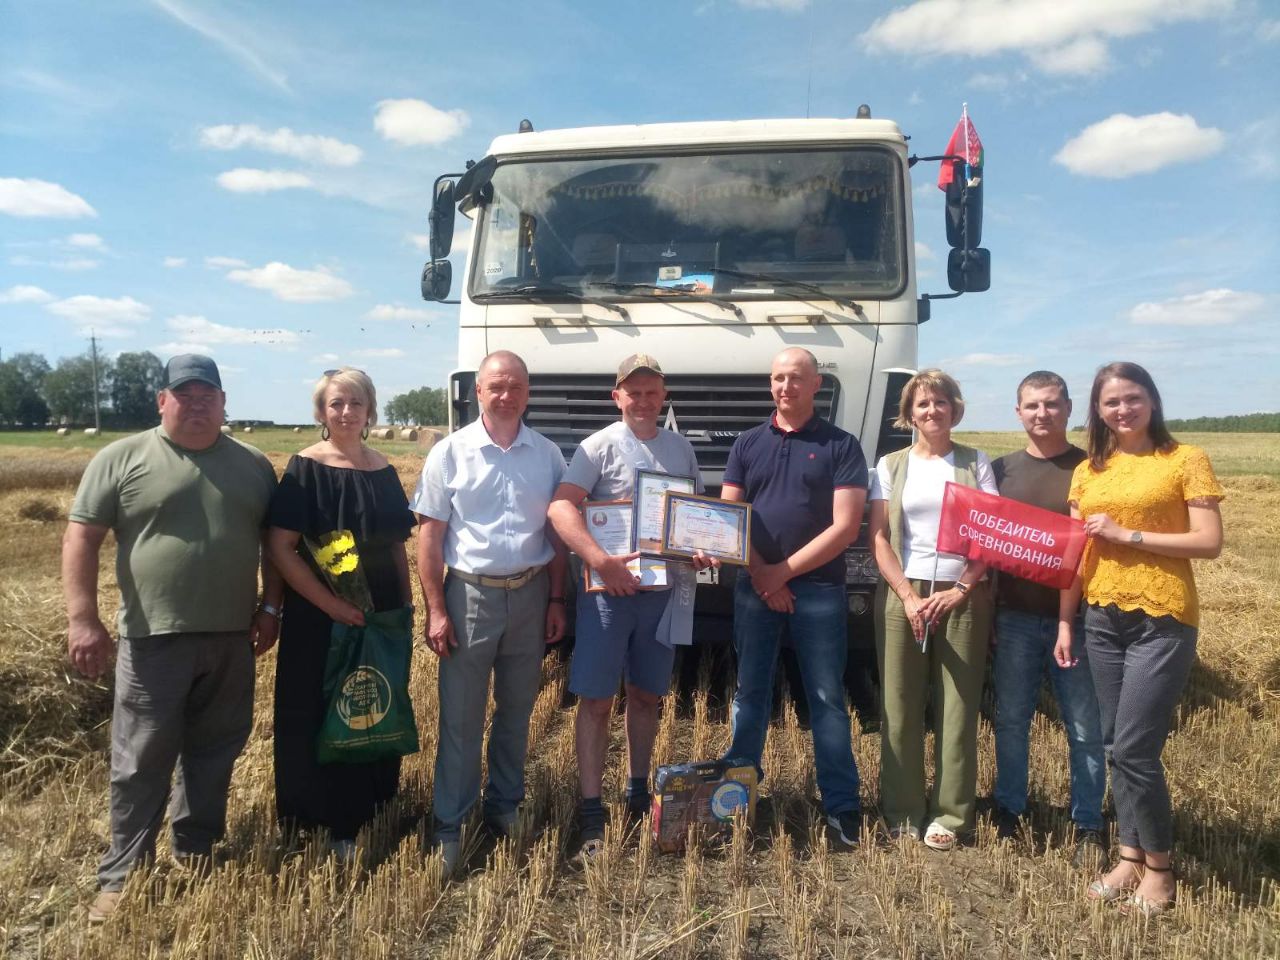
(437, 279)
(969, 271)
(441, 220)
(964, 207)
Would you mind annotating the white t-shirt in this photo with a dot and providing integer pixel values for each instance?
(922, 508)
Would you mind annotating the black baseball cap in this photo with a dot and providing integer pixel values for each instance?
(191, 366)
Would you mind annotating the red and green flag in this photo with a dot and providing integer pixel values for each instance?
(964, 142)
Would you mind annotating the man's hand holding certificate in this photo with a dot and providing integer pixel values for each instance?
(622, 571)
(700, 527)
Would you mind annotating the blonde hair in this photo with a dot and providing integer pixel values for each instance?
(935, 381)
(352, 379)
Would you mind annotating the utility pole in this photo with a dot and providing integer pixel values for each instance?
(97, 407)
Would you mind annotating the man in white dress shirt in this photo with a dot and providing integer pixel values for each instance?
(482, 508)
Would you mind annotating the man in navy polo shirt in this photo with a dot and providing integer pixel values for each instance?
(806, 481)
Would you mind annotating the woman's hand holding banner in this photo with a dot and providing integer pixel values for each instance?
(1026, 541)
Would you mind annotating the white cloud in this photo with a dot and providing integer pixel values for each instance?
(324, 358)
(1211, 308)
(790, 6)
(199, 328)
(1082, 56)
(65, 263)
(1057, 37)
(422, 241)
(1269, 31)
(40, 198)
(249, 180)
(986, 360)
(107, 317)
(417, 123)
(228, 35)
(86, 241)
(1122, 146)
(175, 347)
(24, 293)
(387, 311)
(302, 146)
(224, 263)
(294, 285)
(381, 353)
(923, 252)
(172, 262)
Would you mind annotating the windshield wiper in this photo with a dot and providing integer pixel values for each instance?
(546, 291)
(658, 292)
(813, 288)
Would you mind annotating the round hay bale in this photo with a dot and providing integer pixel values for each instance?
(64, 431)
(297, 429)
(226, 428)
(382, 433)
(408, 433)
(90, 431)
(428, 437)
(247, 430)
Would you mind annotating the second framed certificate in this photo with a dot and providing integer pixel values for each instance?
(718, 528)
(651, 486)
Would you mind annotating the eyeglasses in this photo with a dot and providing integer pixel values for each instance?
(337, 370)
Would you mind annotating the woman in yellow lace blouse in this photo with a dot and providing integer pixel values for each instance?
(1149, 505)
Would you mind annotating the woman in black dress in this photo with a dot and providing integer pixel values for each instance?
(336, 484)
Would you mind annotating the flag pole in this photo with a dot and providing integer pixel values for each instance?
(924, 643)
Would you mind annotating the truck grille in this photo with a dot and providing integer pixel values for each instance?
(710, 409)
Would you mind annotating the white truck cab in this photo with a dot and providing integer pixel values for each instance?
(711, 246)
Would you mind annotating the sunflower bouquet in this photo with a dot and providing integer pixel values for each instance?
(336, 555)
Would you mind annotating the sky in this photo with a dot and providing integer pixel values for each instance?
(251, 180)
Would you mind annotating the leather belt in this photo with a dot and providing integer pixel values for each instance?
(502, 583)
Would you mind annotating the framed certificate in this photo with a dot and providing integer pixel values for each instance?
(719, 528)
(648, 506)
(609, 523)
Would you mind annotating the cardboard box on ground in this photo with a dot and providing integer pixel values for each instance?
(707, 794)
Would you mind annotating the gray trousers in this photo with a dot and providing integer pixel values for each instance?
(183, 699)
(1140, 664)
(500, 633)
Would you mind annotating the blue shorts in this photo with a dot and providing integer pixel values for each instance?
(616, 634)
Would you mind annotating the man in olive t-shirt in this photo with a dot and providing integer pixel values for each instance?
(1026, 629)
(187, 507)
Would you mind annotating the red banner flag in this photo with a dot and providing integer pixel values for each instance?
(1010, 535)
(965, 143)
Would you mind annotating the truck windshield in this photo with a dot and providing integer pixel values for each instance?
(735, 225)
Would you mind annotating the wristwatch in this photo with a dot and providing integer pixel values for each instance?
(1135, 536)
(269, 610)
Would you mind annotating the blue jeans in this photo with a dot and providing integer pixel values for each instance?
(821, 645)
(1024, 649)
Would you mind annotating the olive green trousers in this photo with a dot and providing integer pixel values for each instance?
(949, 672)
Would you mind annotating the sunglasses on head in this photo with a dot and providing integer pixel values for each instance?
(336, 370)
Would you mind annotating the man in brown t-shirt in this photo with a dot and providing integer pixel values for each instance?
(1026, 629)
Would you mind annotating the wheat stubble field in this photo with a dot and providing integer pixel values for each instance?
(775, 891)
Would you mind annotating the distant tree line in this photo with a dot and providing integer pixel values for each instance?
(424, 407)
(34, 394)
(1237, 423)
